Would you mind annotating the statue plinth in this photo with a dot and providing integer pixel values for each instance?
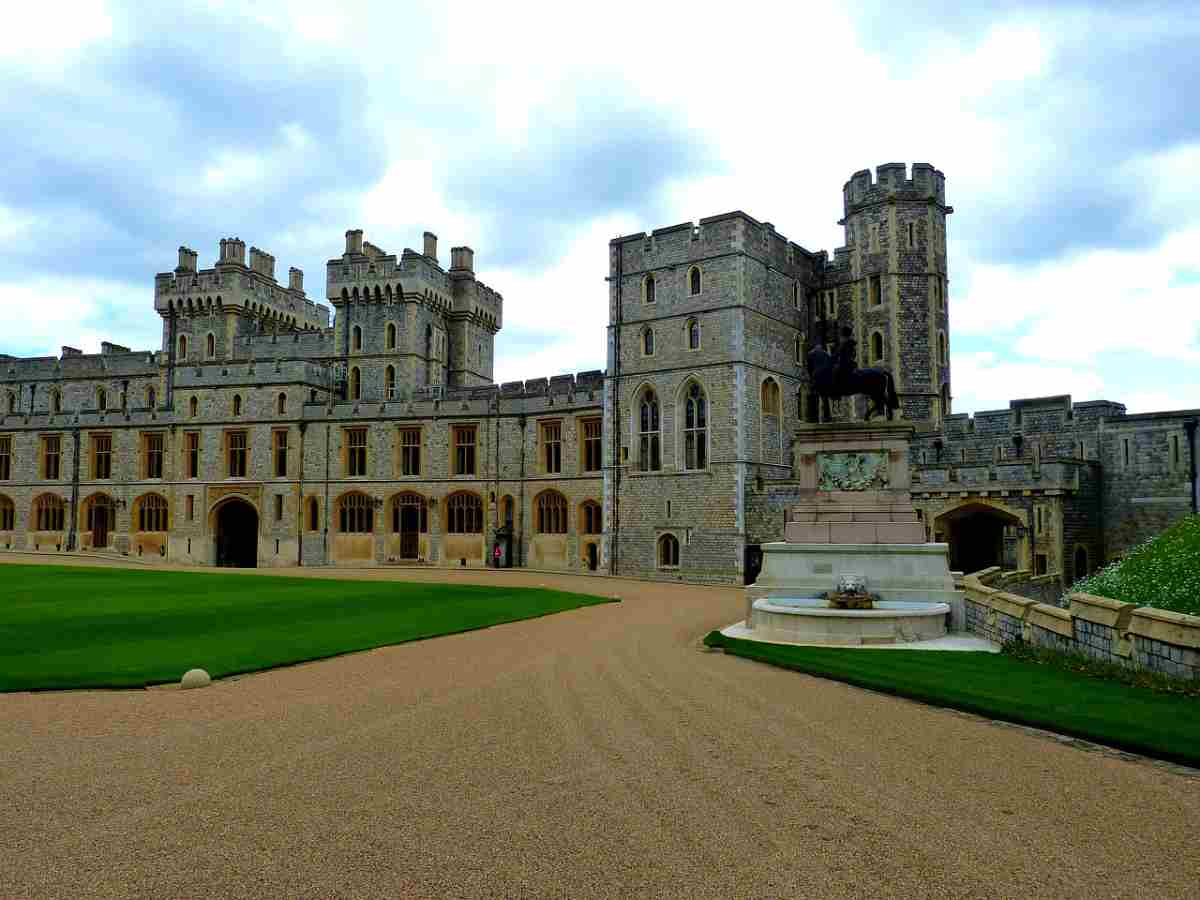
(852, 530)
(854, 486)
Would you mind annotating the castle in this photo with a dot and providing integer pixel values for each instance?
(260, 434)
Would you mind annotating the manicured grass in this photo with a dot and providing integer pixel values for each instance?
(1001, 687)
(1163, 572)
(68, 627)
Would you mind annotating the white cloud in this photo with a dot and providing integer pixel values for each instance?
(69, 310)
(984, 381)
(46, 40)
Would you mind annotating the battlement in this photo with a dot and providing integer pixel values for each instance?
(893, 182)
(231, 285)
(734, 231)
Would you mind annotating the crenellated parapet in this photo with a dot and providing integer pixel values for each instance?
(892, 183)
(231, 287)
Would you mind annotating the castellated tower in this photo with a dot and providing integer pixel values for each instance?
(889, 283)
(403, 322)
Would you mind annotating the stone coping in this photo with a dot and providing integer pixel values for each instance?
(931, 609)
(1163, 625)
(859, 549)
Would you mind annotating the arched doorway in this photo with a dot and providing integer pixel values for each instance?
(593, 557)
(100, 520)
(237, 535)
(979, 536)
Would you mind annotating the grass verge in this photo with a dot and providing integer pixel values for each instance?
(1163, 572)
(1000, 686)
(79, 627)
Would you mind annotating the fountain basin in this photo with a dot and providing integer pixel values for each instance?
(809, 620)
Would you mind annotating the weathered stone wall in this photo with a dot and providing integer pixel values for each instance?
(1119, 633)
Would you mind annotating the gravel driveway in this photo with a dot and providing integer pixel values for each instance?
(595, 753)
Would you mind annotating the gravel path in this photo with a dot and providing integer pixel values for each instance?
(596, 753)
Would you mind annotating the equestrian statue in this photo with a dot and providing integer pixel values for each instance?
(835, 375)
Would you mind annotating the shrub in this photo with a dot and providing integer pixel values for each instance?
(1163, 572)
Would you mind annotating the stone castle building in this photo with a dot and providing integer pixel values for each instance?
(261, 434)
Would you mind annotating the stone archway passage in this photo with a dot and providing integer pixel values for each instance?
(237, 535)
(975, 533)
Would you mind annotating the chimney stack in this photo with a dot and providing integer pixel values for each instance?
(295, 280)
(187, 260)
(233, 250)
(262, 262)
(431, 245)
(462, 258)
(354, 242)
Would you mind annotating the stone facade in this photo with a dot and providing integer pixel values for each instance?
(378, 435)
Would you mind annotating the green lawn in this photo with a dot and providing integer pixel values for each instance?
(1000, 687)
(76, 627)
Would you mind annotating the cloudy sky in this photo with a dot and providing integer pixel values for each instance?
(1069, 135)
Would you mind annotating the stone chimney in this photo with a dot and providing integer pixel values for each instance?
(187, 260)
(71, 351)
(295, 280)
(262, 262)
(462, 258)
(233, 250)
(354, 242)
(431, 245)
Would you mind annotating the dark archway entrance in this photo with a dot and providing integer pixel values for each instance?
(237, 535)
(1081, 563)
(979, 536)
(593, 557)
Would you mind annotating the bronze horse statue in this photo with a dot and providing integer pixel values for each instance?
(827, 382)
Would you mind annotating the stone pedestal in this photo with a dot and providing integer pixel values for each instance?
(855, 517)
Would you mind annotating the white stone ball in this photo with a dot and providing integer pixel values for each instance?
(194, 678)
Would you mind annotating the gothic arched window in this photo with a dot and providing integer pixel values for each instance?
(668, 551)
(650, 457)
(648, 288)
(551, 513)
(648, 342)
(876, 347)
(357, 337)
(694, 281)
(389, 382)
(391, 336)
(693, 334)
(355, 384)
(695, 428)
(210, 346)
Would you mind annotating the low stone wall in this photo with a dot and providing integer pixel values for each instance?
(1022, 582)
(1140, 637)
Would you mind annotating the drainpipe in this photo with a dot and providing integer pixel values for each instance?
(300, 500)
(521, 509)
(325, 532)
(614, 523)
(1189, 428)
(75, 487)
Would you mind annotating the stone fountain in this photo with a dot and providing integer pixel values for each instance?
(854, 566)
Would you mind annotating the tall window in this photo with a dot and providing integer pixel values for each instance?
(280, 439)
(152, 513)
(5, 457)
(356, 451)
(410, 451)
(693, 334)
(391, 335)
(551, 513)
(237, 454)
(552, 447)
(210, 347)
(650, 457)
(49, 513)
(464, 514)
(55, 402)
(694, 281)
(8, 514)
(668, 552)
(281, 403)
(314, 514)
(356, 514)
(769, 398)
(389, 382)
(355, 384)
(101, 456)
(508, 511)
(796, 294)
(12, 402)
(593, 521)
(648, 342)
(190, 507)
(942, 347)
(193, 407)
(183, 346)
(912, 242)
(695, 428)
(279, 507)
(152, 454)
(51, 457)
(876, 290)
(648, 289)
(592, 459)
(191, 454)
(357, 337)
(237, 404)
(464, 449)
(151, 398)
(876, 347)
(101, 399)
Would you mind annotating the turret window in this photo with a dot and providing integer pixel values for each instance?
(648, 289)
(389, 382)
(876, 347)
(210, 347)
(357, 339)
(694, 281)
(355, 384)
(391, 336)
(695, 428)
(648, 342)
(650, 457)
(693, 334)
(875, 287)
